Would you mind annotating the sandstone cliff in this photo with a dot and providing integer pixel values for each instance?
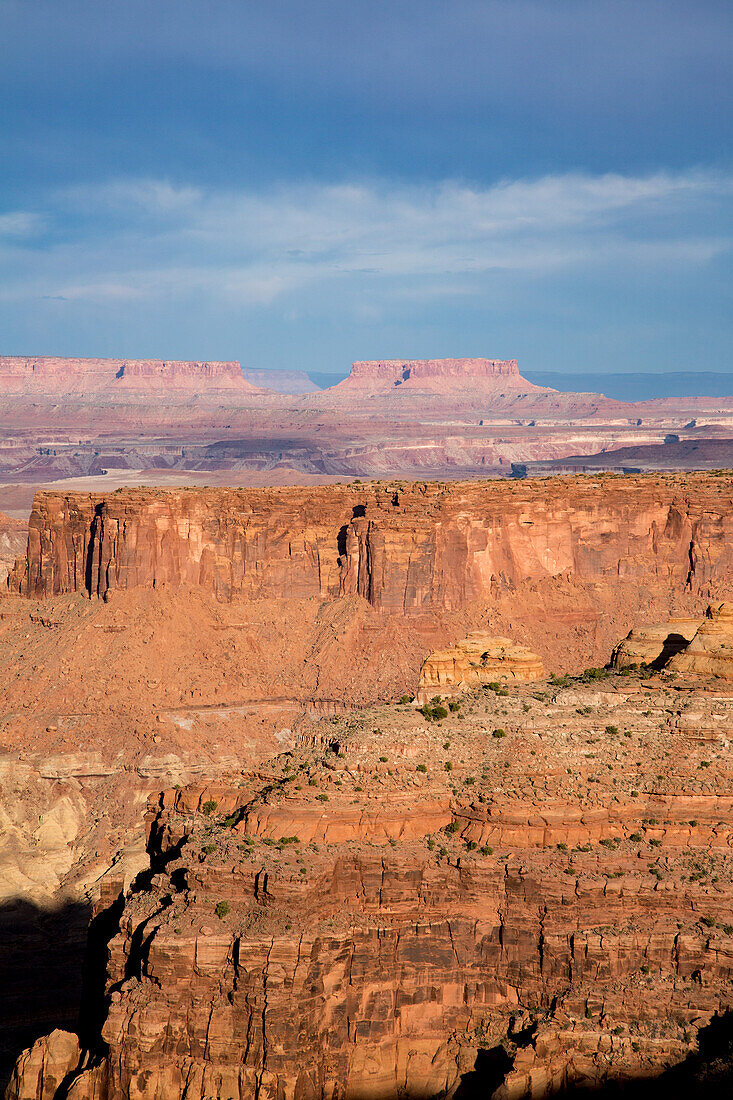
(402, 547)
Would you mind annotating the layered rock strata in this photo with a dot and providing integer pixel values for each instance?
(553, 911)
(402, 547)
(702, 646)
(46, 374)
(655, 644)
(476, 660)
(710, 652)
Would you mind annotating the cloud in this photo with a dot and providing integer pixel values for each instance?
(150, 240)
(19, 224)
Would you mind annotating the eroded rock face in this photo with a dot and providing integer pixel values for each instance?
(701, 646)
(654, 645)
(13, 541)
(43, 1068)
(411, 548)
(710, 652)
(554, 911)
(476, 660)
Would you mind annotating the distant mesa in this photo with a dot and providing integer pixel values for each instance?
(700, 646)
(476, 660)
(402, 370)
(440, 372)
(56, 374)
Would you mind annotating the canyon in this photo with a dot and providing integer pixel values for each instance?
(193, 421)
(296, 884)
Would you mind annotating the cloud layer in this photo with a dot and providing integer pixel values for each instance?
(146, 239)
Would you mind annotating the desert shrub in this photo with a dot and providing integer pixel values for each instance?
(222, 909)
(421, 768)
(322, 797)
(499, 733)
(448, 766)
(209, 806)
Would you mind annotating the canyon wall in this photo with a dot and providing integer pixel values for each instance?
(414, 547)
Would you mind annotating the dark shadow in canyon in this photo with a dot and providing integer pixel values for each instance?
(42, 953)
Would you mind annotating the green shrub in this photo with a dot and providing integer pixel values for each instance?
(454, 705)
(404, 700)
(383, 759)
(209, 807)
(499, 733)
(421, 768)
(322, 797)
(448, 766)
(612, 729)
(222, 909)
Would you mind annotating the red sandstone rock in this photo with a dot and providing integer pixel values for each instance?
(403, 548)
(381, 961)
(476, 660)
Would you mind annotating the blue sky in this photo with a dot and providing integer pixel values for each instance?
(302, 184)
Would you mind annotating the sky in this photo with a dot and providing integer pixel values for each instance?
(301, 184)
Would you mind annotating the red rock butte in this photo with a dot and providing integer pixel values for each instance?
(50, 374)
(450, 371)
